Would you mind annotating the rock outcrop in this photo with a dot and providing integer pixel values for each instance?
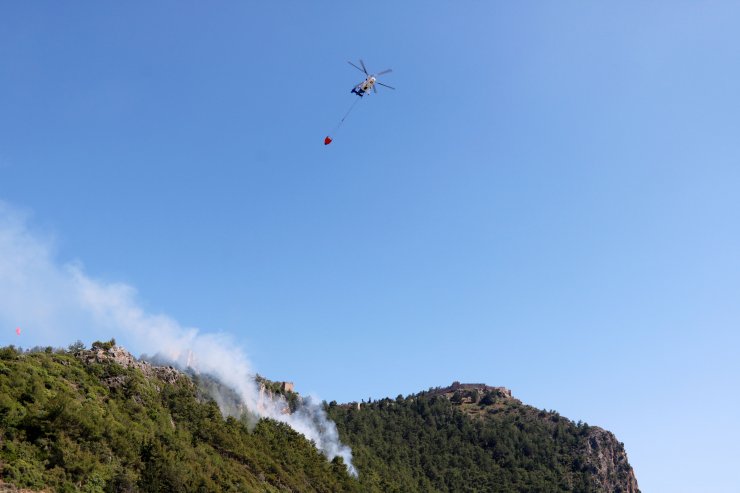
(119, 355)
(481, 388)
(607, 460)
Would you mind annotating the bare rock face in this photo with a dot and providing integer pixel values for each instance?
(119, 355)
(480, 388)
(606, 458)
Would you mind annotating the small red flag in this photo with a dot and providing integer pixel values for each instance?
(327, 140)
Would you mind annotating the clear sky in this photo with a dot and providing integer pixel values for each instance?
(549, 201)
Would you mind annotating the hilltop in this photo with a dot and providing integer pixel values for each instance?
(475, 437)
(100, 420)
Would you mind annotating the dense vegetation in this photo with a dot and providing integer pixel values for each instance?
(463, 443)
(70, 426)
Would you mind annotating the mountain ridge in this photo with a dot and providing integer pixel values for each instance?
(61, 412)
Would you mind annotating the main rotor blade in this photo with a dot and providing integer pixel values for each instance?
(384, 85)
(363, 67)
(355, 66)
(385, 71)
(375, 90)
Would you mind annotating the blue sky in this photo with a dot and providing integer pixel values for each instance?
(547, 202)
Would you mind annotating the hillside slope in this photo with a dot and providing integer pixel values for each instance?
(478, 438)
(69, 422)
(101, 421)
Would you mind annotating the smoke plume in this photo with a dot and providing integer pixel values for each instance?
(53, 301)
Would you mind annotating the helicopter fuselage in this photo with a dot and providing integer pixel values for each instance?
(362, 88)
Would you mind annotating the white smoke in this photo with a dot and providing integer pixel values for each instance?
(52, 301)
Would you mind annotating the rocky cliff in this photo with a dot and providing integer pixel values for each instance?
(110, 353)
(606, 458)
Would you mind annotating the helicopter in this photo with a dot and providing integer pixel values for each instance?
(370, 81)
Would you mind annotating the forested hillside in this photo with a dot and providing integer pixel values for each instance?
(71, 422)
(69, 426)
(478, 439)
